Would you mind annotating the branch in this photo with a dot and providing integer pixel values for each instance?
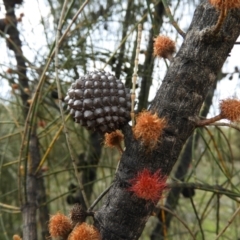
(191, 73)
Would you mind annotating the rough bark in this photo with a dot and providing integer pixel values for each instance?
(179, 99)
(182, 169)
(14, 43)
(36, 195)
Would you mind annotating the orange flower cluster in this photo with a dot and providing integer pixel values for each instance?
(59, 226)
(149, 128)
(113, 139)
(16, 237)
(163, 47)
(148, 186)
(230, 109)
(228, 3)
(84, 232)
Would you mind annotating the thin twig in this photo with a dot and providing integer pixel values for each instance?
(208, 121)
(176, 216)
(32, 109)
(135, 76)
(222, 124)
(99, 198)
(163, 217)
(60, 103)
(218, 189)
(228, 224)
(197, 217)
(217, 214)
(173, 22)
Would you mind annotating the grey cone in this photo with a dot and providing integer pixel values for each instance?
(99, 101)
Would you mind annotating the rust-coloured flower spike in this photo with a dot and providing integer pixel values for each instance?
(99, 101)
(84, 232)
(164, 47)
(78, 214)
(230, 109)
(114, 139)
(9, 70)
(16, 237)
(228, 3)
(148, 186)
(223, 6)
(149, 128)
(59, 226)
(15, 86)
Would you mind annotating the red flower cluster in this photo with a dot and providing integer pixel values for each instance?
(148, 186)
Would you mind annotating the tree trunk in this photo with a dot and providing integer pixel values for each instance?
(181, 171)
(179, 99)
(35, 194)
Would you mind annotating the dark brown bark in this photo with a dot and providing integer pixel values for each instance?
(35, 189)
(182, 169)
(179, 99)
(92, 158)
(14, 43)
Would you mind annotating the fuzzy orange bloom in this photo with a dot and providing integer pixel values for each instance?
(149, 128)
(228, 3)
(163, 47)
(29, 101)
(148, 186)
(84, 232)
(16, 237)
(59, 226)
(230, 109)
(113, 139)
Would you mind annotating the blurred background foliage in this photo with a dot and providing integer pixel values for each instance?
(104, 36)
